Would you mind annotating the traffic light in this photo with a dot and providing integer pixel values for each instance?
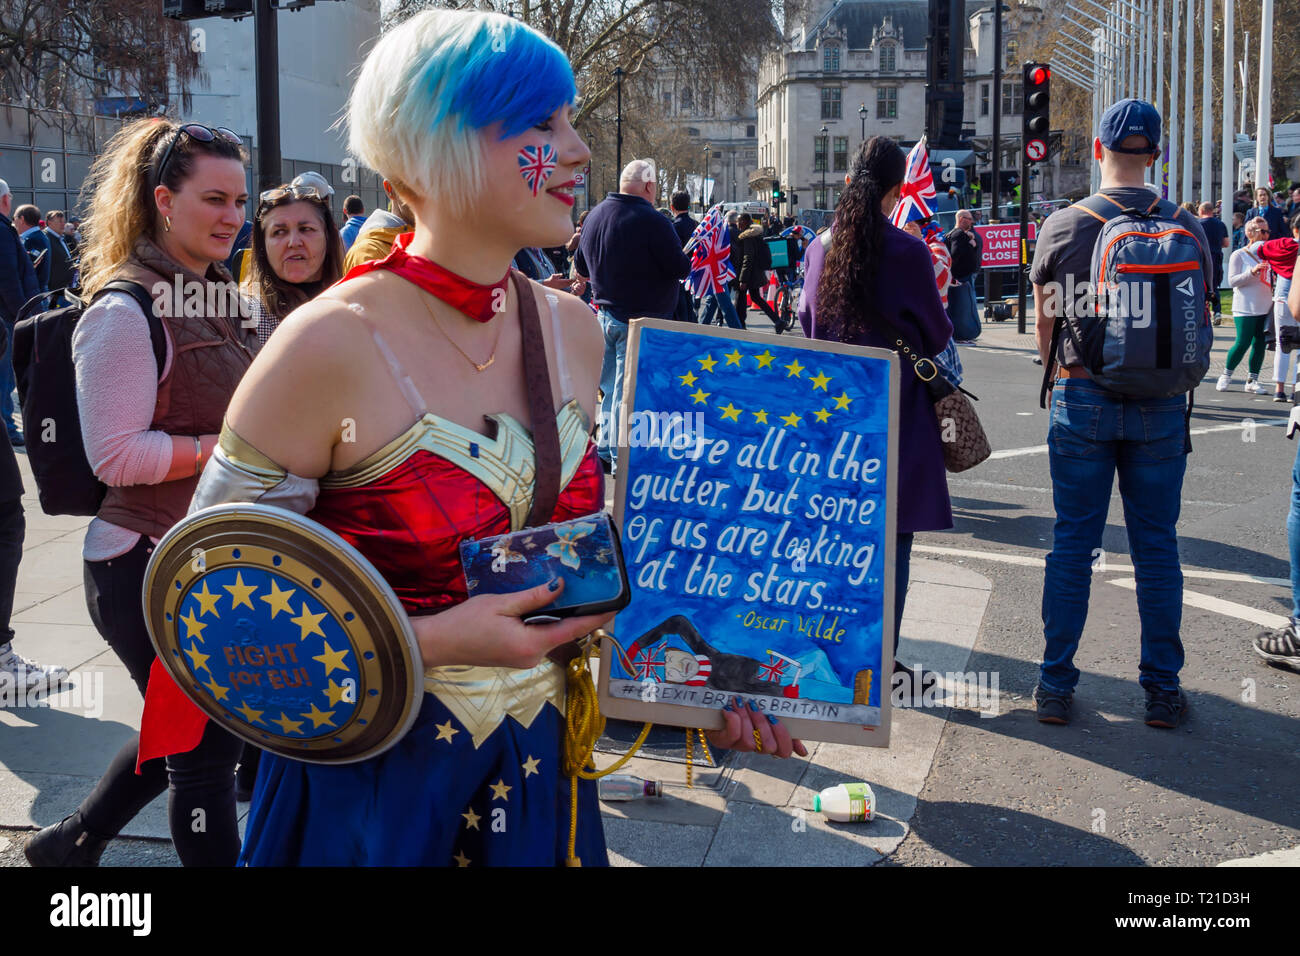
(229, 8)
(794, 199)
(778, 197)
(184, 9)
(1037, 123)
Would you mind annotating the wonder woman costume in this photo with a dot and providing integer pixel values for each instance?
(477, 780)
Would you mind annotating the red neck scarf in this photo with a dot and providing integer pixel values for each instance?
(460, 293)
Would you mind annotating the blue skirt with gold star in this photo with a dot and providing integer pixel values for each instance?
(477, 781)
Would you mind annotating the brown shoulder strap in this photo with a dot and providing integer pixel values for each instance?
(541, 406)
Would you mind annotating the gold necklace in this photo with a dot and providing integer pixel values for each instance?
(478, 366)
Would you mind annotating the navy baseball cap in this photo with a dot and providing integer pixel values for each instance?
(1127, 118)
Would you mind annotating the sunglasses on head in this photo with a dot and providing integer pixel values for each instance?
(199, 133)
(281, 193)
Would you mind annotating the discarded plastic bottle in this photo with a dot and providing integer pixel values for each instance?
(846, 803)
(623, 786)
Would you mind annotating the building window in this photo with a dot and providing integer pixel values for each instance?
(831, 103)
(1013, 53)
(692, 131)
(668, 103)
(887, 102)
(841, 154)
(986, 91)
(687, 100)
(819, 197)
(819, 156)
(888, 58)
(831, 59)
(1012, 99)
(749, 130)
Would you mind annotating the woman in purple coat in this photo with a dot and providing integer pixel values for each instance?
(862, 277)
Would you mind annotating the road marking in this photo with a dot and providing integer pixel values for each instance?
(1004, 485)
(1219, 606)
(1030, 561)
(1042, 449)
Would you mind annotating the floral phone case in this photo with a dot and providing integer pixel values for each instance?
(584, 552)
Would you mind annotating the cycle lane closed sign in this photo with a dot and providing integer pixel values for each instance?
(1002, 243)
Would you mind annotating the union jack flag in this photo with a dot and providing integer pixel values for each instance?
(918, 186)
(536, 163)
(779, 669)
(648, 665)
(711, 255)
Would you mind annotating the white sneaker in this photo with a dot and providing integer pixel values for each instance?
(1252, 385)
(18, 672)
(1224, 381)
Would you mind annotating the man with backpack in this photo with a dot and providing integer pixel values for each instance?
(1120, 400)
(755, 260)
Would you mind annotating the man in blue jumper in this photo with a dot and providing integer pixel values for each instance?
(634, 261)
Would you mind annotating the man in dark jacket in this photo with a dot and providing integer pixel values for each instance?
(635, 263)
(17, 285)
(682, 220)
(967, 249)
(751, 276)
(61, 270)
(27, 220)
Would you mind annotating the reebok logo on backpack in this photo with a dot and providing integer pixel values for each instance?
(1145, 331)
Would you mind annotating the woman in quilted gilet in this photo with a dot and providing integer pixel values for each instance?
(167, 204)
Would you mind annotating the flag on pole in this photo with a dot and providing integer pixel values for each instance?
(711, 254)
(918, 186)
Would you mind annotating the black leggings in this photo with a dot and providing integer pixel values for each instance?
(201, 800)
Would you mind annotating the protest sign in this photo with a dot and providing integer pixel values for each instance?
(755, 497)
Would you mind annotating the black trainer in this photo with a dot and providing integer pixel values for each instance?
(1165, 708)
(1280, 646)
(66, 843)
(1053, 708)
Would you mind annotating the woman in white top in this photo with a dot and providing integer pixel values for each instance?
(1252, 300)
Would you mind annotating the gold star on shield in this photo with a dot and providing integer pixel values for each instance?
(733, 357)
(688, 379)
(471, 819)
(499, 790)
(842, 401)
(279, 600)
(760, 416)
(446, 731)
(461, 859)
(730, 411)
(198, 660)
(332, 659)
(700, 396)
(821, 380)
(287, 725)
(240, 592)
(193, 627)
(821, 414)
(707, 363)
(250, 715)
(792, 420)
(308, 623)
(530, 765)
(207, 601)
(795, 369)
(337, 693)
(319, 717)
(765, 359)
(217, 690)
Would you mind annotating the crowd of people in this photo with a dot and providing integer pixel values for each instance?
(318, 324)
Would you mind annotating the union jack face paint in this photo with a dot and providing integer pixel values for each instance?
(536, 163)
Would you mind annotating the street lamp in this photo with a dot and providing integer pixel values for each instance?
(825, 163)
(618, 123)
(705, 184)
(862, 112)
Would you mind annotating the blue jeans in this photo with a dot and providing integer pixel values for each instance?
(1293, 534)
(611, 383)
(1093, 434)
(715, 302)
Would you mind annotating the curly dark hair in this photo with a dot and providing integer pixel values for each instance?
(848, 282)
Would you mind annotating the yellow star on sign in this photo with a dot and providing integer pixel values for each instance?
(733, 357)
(193, 627)
(217, 690)
(760, 416)
(319, 717)
(730, 411)
(308, 623)
(471, 819)
(337, 693)
(207, 600)
(240, 592)
(287, 725)
(795, 368)
(461, 859)
(198, 660)
(530, 765)
(332, 659)
(707, 363)
(821, 380)
(700, 396)
(821, 414)
(446, 731)
(279, 600)
(792, 420)
(765, 359)
(250, 715)
(499, 790)
(842, 401)
(688, 379)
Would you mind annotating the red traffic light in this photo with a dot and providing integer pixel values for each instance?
(1040, 75)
